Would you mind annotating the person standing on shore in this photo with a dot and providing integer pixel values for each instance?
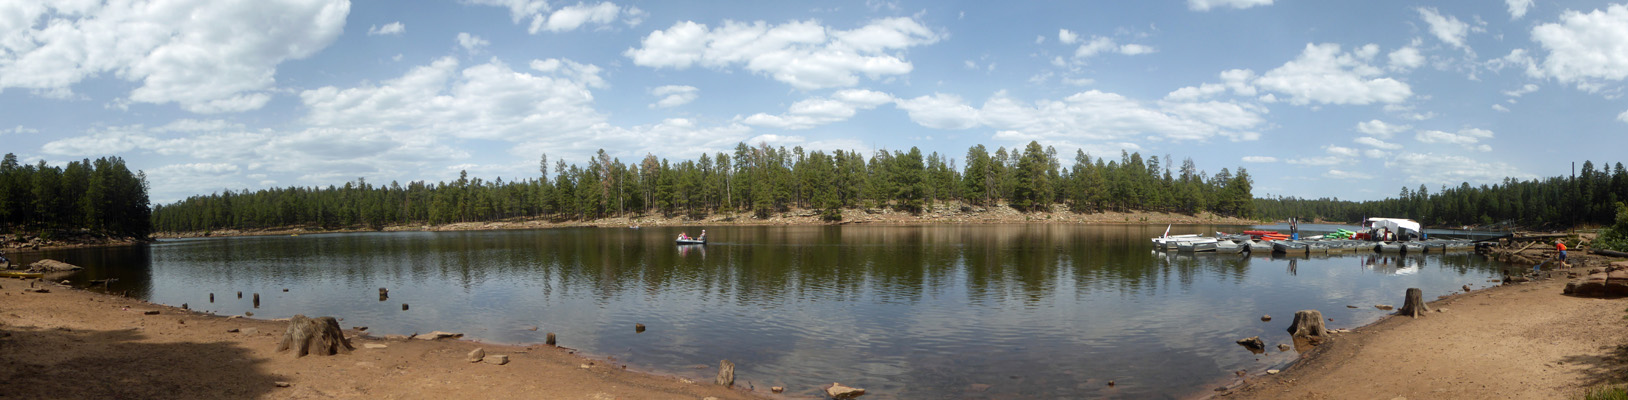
(1560, 246)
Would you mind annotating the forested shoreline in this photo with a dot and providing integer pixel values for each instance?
(1590, 198)
(758, 180)
(97, 197)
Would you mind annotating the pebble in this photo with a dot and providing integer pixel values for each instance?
(476, 355)
(283, 384)
(499, 359)
(1272, 372)
(373, 345)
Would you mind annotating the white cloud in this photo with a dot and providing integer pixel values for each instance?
(1067, 37)
(1620, 117)
(1522, 91)
(566, 18)
(471, 43)
(1436, 169)
(1518, 8)
(803, 54)
(1206, 5)
(1135, 49)
(19, 130)
(1347, 175)
(1470, 138)
(207, 57)
(393, 28)
(1260, 159)
(1318, 161)
(1324, 74)
(674, 95)
(1406, 59)
(570, 18)
(1340, 151)
(1500, 108)
(1039, 39)
(1446, 28)
(1377, 143)
(1584, 46)
(1380, 129)
(820, 111)
(1091, 115)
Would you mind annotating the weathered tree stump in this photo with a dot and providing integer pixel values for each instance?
(1415, 305)
(256, 300)
(1308, 323)
(320, 335)
(550, 340)
(726, 373)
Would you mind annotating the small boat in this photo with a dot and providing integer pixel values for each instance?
(1390, 247)
(1196, 245)
(685, 242)
(1228, 246)
(1260, 247)
(1171, 242)
(21, 274)
(1290, 247)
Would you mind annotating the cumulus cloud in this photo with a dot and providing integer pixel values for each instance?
(1100, 45)
(1324, 74)
(1620, 117)
(471, 43)
(207, 57)
(1090, 116)
(674, 95)
(1380, 129)
(1206, 5)
(1377, 143)
(1260, 159)
(1437, 169)
(1406, 59)
(803, 54)
(1470, 138)
(820, 111)
(19, 129)
(1447, 28)
(1522, 91)
(393, 28)
(1584, 46)
(1067, 37)
(1500, 108)
(1518, 8)
(566, 18)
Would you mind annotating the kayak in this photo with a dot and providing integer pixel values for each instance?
(691, 241)
(21, 274)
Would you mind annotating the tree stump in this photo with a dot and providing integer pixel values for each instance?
(320, 335)
(1415, 305)
(726, 373)
(1308, 323)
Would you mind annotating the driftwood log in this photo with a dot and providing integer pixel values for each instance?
(726, 373)
(1608, 253)
(1415, 305)
(319, 335)
(1308, 323)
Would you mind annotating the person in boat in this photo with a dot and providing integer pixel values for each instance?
(6, 262)
(683, 236)
(703, 235)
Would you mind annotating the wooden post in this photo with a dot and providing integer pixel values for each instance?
(550, 340)
(726, 373)
(1308, 323)
(1414, 306)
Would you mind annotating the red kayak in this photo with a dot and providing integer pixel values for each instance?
(1261, 233)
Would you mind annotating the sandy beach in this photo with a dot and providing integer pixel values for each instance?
(77, 344)
(1513, 341)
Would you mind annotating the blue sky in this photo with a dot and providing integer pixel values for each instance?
(1317, 99)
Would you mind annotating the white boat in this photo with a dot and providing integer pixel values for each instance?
(1200, 244)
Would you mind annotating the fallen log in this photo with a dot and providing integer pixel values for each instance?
(1611, 253)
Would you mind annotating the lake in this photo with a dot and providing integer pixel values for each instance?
(939, 311)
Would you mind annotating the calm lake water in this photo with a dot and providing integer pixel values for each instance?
(910, 312)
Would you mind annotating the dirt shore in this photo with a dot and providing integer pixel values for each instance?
(1514, 341)
(76, 344)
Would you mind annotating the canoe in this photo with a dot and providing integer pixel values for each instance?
(21, 274)
(1228, 246)
(1197, 245)
(691, 241)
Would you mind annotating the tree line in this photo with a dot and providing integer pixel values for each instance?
(760, 180)
(1590, 198)
(102, 197)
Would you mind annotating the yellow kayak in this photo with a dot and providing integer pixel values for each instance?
(21, 274)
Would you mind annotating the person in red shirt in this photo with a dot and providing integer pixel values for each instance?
(1560, 246)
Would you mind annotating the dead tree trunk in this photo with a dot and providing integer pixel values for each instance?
(1415, 305)
(320, 335)
(726, 373)
(1308, 323)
